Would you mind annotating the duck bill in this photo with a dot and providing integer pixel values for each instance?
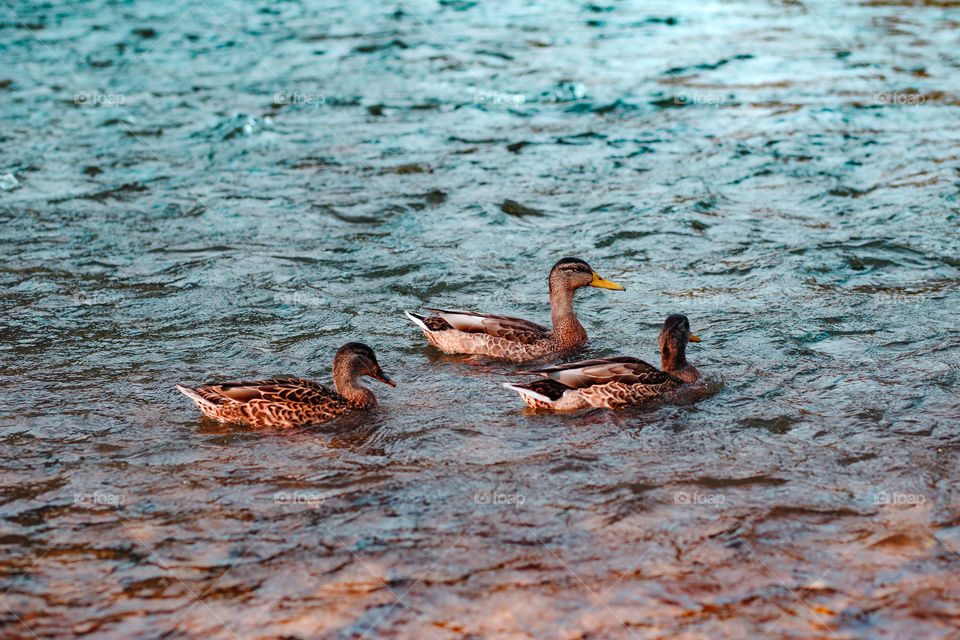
(601, 283)
(694, 338)
(382, 377)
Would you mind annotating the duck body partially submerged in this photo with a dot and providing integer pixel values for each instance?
(511, 338)
(614, 382)
(293, 402)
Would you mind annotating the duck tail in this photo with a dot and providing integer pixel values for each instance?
(526, 392)
(194, 395)
(419, 321)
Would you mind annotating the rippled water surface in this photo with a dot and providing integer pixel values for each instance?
(197, 191)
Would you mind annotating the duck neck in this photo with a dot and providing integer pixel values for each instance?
(347, 382)
(566, 329)
(673, 360)
(673, 356)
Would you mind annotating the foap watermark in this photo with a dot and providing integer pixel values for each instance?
(701, 99)
(899, 499)
(507, 299)
(904, 98)
(84, 98)
(98, 499)
(499, 99)
(697, 498)
(499, 498)
(299, 299)
(84, 298)
(311, 499)
(890, 298)
(299, 98)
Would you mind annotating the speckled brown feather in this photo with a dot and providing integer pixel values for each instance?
(604, 382)
(278, 402)
(291, 402)
(482, 344)
(436, 324)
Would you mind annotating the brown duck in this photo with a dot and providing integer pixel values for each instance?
(513, 338)
(292, 402)
(614, 382)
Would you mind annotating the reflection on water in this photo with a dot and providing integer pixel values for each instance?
(193, 193)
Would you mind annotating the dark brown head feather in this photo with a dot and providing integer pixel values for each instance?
(571, 263)
(358, 348)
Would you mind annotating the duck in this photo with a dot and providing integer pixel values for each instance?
(615, 382)
(515, 339)
(294, 402)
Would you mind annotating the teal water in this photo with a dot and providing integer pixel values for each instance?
(204, 192)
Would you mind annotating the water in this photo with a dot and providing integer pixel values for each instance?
(209, 192)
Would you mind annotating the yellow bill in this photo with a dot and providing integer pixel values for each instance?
(604, 284)
(694, 338)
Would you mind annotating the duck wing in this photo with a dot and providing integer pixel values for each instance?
(509, 328)
(623, 369)
(272, 390)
